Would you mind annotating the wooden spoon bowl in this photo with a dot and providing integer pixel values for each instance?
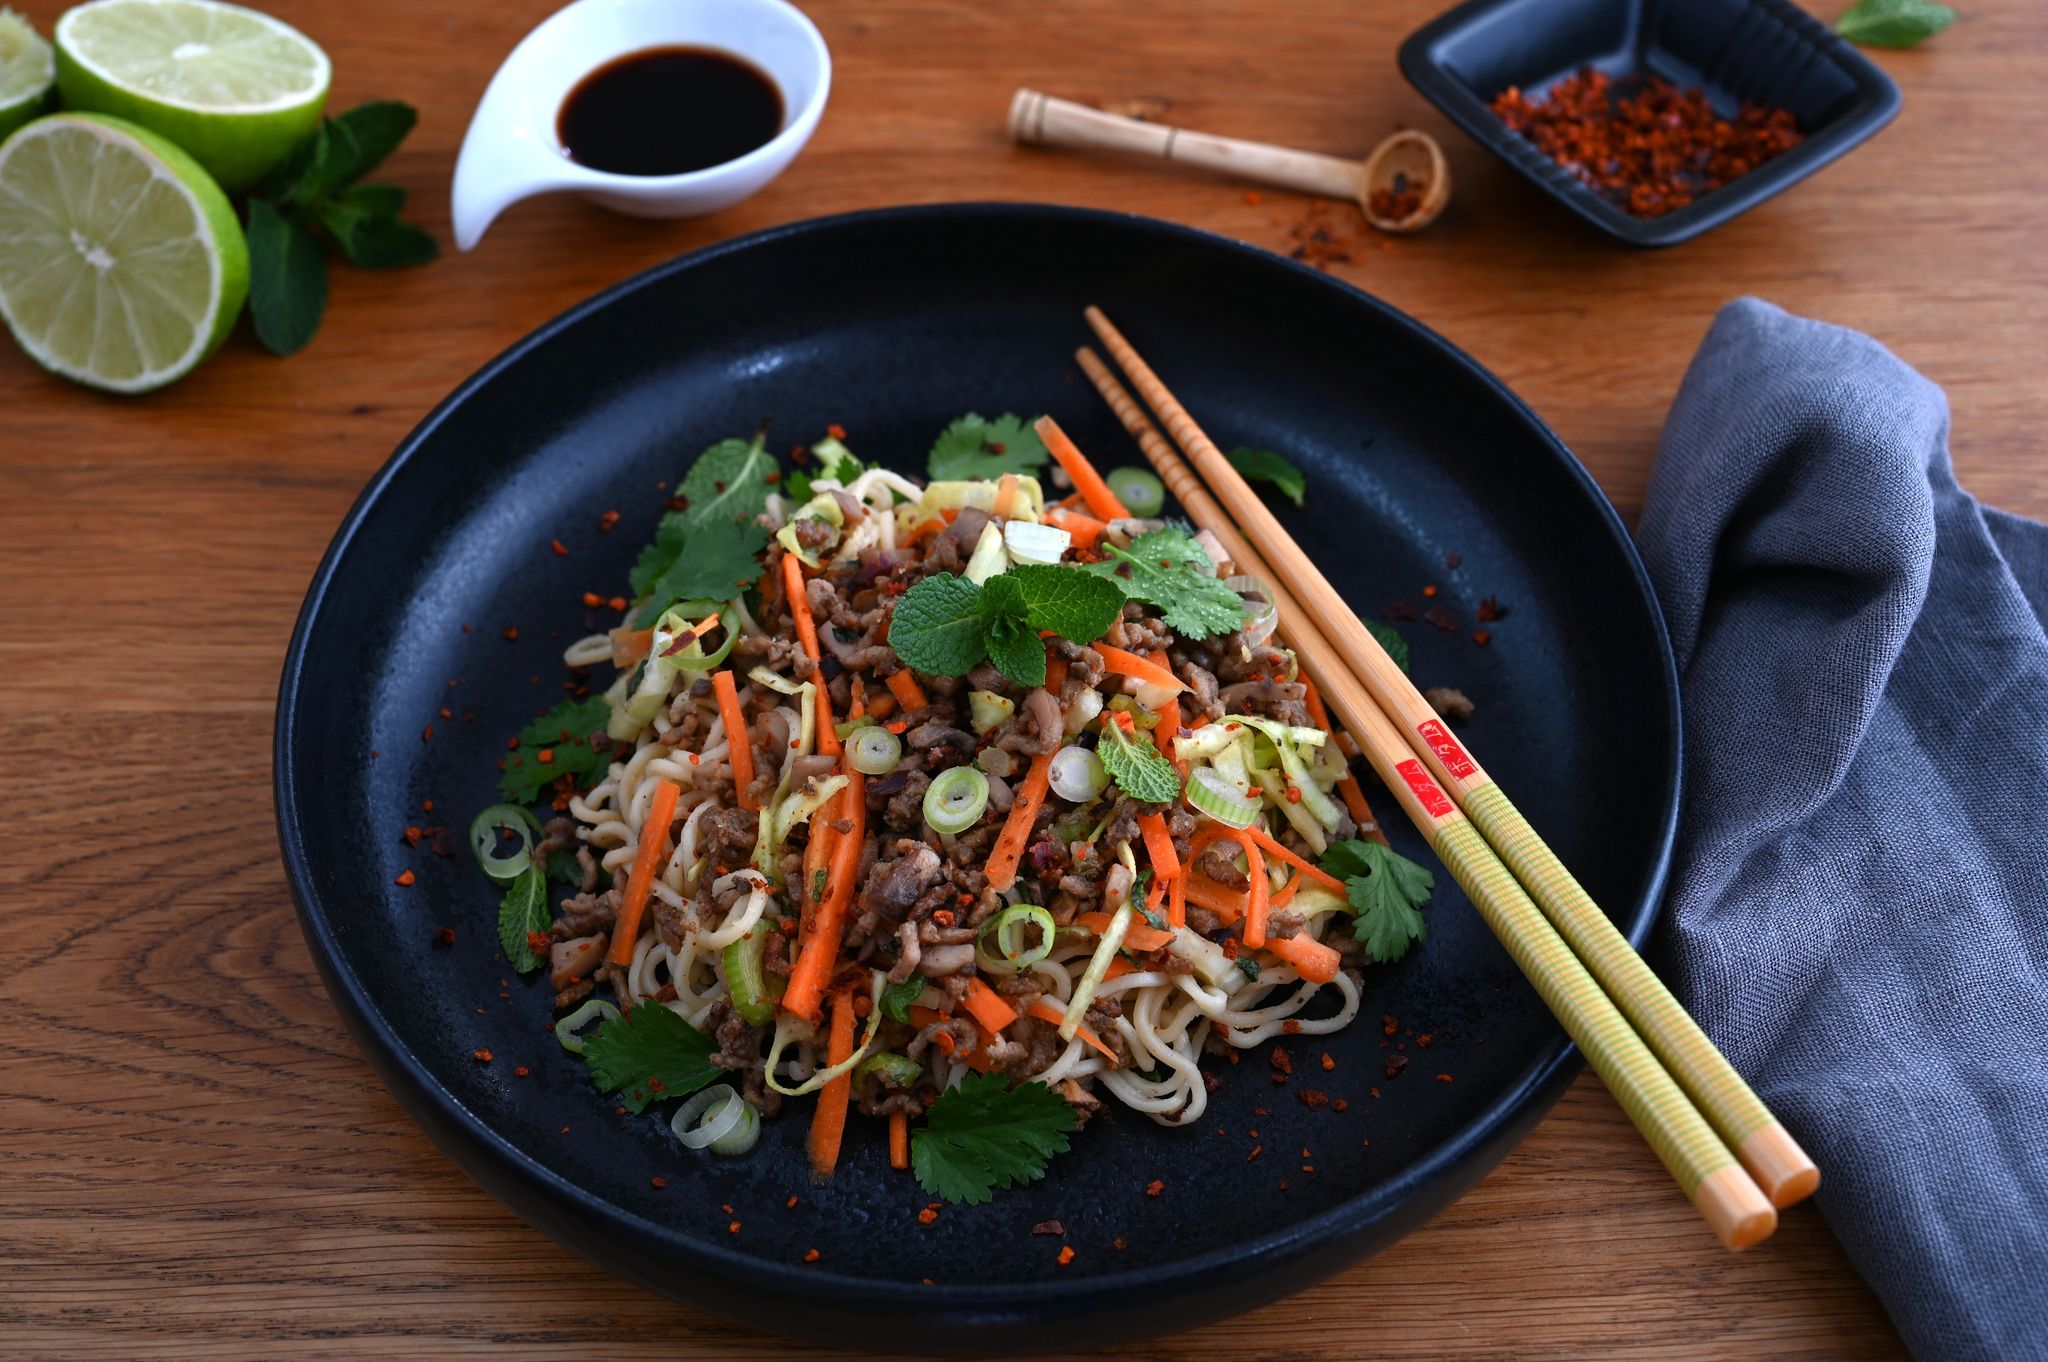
(1405, 182)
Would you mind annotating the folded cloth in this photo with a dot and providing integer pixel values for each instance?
(1859, 905)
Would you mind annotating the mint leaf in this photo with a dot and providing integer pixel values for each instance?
(984, 1135)
(365, 228)
(1396, 646)
(649, 1055)
(287, 279)
(524, 909)
(976, 447)
(715, 563)
(339, 152)
(1079, 606)
(1167, 568)
(729, 481)
(1016, 650)
(897, 998)
(1263, 465)
(1893, 23)
(563, 733)
(1140, 770)
(1388, 892)
(937, 627)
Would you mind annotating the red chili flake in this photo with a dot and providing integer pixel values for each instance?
(1051, 1227)
(592, 600)
(1253, 197)
(511, 633)
(1155, 1187)
(1291, 1027)
(726, 1209)
(927, 1216)
(1328, 1063)
(1430, 591)
(1395, 1064)
(1118, 1243)
(836, 431)
(546, 756)
(617, 602)
(1315, 1099)
(561, 549)
(480, 1056)
(404, 879)
(1281, 1062)
(1066, 1254)
(511, 744)
(665, 994)
(1294, 794)
(1257, 1149)
(1375, 1093)
(1648, 146)
(1403, 609)
(1482, 636)
(1453, 561)
(944, 917)
(1340, 1104)
(1258, 1111)
(538, 942)
(607, 522)
(733, 1228)
(790, 1204)
(1389, 1024)
(427, 733)
(1490, 609)
(411, 836)
(1425, 1038)
(445, 938)
(657, 1183)
(1230, 948)
(1440, 618)
(1443, 1078)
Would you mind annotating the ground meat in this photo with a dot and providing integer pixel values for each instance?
(1281, 700)
(963, 1030)
(1132, 630)
(900, 879)
(984, 676)
(812, 534)
(725, 839)
(936, 745)
(1101, 1019)
(1036, 728)
(1084, 1102)
(576, 992)
(780, 654)
(1084, 668)
(575, 958)
(1453, 704)
(952, 546)
(671, 924)
(587, 913)
(1202, 921)
(1201, 701)
(902, 808)
(941, 961)
(1219, 862)
(908, 954)
(1122, 830)
(1237, 662)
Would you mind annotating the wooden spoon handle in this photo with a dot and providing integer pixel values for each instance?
(1042, 120)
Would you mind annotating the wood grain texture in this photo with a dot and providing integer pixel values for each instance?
(193, 1160)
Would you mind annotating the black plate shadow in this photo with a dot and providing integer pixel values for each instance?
(892, 323)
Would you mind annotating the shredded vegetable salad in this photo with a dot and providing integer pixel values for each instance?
(963, 803)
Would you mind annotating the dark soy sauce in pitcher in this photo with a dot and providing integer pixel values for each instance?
(668, 111)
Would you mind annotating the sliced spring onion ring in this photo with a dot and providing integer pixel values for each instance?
(513, 821)
(1000, 948)
(728, 1125)
(898, 1071)
(874, 751)
(955, 800)
(1077, 775)
(1212, 792)
(567, 1027)
(1139, 489)
(1261, 616)
(846, 728)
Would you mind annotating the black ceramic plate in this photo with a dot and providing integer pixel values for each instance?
(892, 323)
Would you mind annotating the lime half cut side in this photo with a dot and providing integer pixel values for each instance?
(121, 263)
(234, 87)
(28, 71)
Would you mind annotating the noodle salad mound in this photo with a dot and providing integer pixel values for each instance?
(944, 802)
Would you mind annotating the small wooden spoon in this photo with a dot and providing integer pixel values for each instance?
(1408, 161)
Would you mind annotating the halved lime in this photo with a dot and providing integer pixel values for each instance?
(235, 88)
(27, 72)
(121, 263)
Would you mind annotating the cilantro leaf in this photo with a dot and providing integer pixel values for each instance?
(937, 626)
(984, 1135)
(729, 481)
(1016, 650)
(1396, 646)
(1168, 569)
(669, 537)
(715, 563)
(648, 1055)
(524, 909)
(835, 461)
(897, 998)
(976, 447)
(564, 733)
(1263, 465)
(1139, 769)
(1388, 891)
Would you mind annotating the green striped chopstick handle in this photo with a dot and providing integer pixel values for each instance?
(1663, 1113)
(1705, 1073)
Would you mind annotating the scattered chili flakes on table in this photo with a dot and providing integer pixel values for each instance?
(1066, 1254)
(480, 1056)
(1648, 146)
(1155, 1187)
(404, 879)
(811, 1256)
(445, 938)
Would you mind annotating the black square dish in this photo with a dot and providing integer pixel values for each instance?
(1765, 52)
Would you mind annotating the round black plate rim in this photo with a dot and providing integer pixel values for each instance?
(1542, 1083)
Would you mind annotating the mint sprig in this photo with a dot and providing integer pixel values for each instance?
(945, 624)
(313, 202)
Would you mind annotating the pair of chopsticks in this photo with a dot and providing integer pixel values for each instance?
(1731, 1156)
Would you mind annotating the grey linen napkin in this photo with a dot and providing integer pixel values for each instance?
(1859, 906)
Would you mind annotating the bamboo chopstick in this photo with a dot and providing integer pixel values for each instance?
(1763, 1144)
(1727, 1198)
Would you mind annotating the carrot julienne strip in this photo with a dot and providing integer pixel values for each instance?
(903, 685)
(1086, 531)
(1101, 502)
(1272, 847)
(987, 1006)
(1002, 864)
(1046, 1012)
(828, 1123)
(726, 691)
(646, 862)
(1055, 673)
(1255, 902)
(1159, 845)
(1121, 663)
(818, 953)
(1140, 936)
(899, 1139)
(1177, 901)
(1313, 960)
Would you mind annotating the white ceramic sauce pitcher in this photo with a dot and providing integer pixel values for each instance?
(512, 150)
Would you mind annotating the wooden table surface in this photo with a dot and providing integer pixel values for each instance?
(194, 1162)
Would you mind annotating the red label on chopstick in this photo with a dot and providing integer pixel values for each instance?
(1446, 748)
(1434, 801)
